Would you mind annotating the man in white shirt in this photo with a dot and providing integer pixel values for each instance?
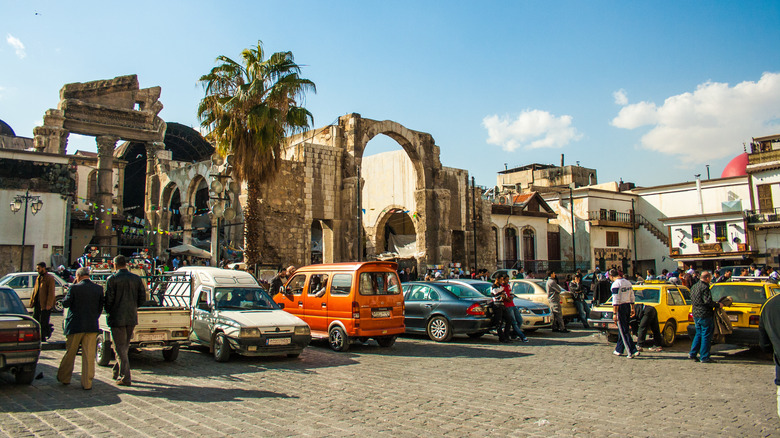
(623, 311)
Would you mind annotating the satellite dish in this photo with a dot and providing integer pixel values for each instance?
(230, 214)
(218, 210)
(229, 159)
(217, 159)
(217, 186)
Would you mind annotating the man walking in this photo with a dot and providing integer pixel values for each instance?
(769, 336)
(554, 296)
(42, 299)
(578, 293)
(125, 293)
(622, 312)
(85, 303)
(703, 310)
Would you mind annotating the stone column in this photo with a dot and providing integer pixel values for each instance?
(151, 194)
(105, 193)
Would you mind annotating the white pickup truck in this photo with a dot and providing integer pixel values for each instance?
(163, 321)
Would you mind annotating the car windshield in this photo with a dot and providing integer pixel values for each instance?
(644, 296)
(10, 303)
(245, 298)
(483, 288)
(740, 293)
(462, 291)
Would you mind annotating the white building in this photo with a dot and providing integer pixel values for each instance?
(522, 232)
(763, 217)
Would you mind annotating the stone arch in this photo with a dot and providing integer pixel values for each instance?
(195, 184)
(418, 146)
(382, 221)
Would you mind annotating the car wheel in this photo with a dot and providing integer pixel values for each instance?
(103, 351)
(338, 339)
(668, 334)
(170, 354)
(221, 348)
(439, 329)
(386, 341)
(25, 376)
(476, 335)
(58, 307)
(612, 337)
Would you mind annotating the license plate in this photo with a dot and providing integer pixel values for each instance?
(380, 313)
(733, 318)
(278, 341)
(151, 337)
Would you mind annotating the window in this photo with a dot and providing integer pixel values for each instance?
(10, 303)
(341, 284)
(686, 295)
(603, 214)
(20, 281)
(519, 288)
(697, 231)
(318, 283)
(613, 215)
(432, 295)
(417, 294)
(765, 198)
(613, 238)
(379, 283)
(295, 286)
(720, 231)
(647, 295)
(673, 298)
(462, 292)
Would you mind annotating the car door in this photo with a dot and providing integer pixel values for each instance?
(414, 298)
(201, 317)
(678, 309)
(315, 308)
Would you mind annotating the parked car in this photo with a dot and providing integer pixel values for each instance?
(672, 303)
(442, 310)
(232, 313)
(736, 271)
(345, 302)
(20, 338)
(748, 295)
(508, 272)
(536, 290)
(535, 315)
(22, 283)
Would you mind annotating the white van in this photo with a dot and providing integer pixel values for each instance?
(232, 313)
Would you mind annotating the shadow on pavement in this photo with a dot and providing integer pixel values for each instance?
(419, 346)
(201, 394)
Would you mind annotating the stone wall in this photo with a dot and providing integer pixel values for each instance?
(286, 218)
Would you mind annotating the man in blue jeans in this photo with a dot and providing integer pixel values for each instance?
(703, 310)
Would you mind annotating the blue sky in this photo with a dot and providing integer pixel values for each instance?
(648, 92)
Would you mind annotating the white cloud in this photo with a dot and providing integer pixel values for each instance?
(620, 97)
(17, 45)
(530, 130)
(711, 122)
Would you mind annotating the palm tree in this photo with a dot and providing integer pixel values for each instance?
(248, 110)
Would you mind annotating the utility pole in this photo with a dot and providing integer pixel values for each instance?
(573, 231)
(474, 219)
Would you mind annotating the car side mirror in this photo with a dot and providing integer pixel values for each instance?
(281, 305)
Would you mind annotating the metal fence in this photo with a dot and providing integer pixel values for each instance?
(170, 289)
(763, 215)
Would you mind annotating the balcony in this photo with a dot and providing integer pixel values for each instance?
(763, 218)
(612, 218)
(760, 157)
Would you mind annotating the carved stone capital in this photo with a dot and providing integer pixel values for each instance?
(106, 144)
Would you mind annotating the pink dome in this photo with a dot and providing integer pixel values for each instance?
(736, 167)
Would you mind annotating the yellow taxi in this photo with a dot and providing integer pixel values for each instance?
(672, 302)
(749, 295)
(536, 290)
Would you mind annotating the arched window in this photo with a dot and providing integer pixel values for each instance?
(529, 244)
(510, 247)
(92, 187)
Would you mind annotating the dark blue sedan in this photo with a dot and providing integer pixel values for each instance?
(443, 310)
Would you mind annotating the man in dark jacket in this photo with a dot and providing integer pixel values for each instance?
(769, 336)
(125, 293)
(85, 303)
(42, 299)
(703, 310)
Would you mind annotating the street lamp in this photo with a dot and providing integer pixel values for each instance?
(36, 205)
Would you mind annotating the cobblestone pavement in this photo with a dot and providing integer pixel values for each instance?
(558, 384)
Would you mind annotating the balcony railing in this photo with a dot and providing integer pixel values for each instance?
(763, 215)
(610, 215)
(766, 156)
